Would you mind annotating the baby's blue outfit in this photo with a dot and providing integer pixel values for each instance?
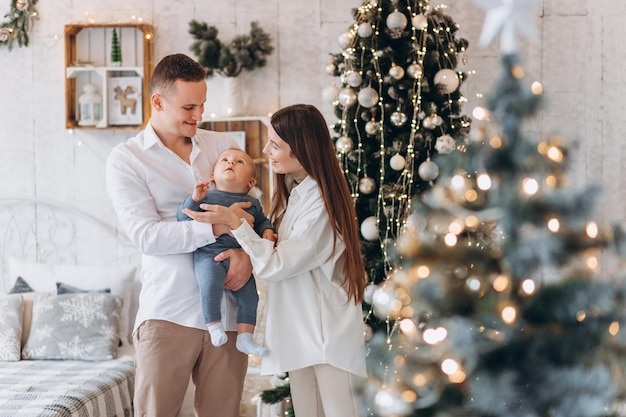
(210, 274)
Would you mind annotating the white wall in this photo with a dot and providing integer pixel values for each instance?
(579, 59)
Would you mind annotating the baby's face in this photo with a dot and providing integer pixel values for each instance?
(234, 172)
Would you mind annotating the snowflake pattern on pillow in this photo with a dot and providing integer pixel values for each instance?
(10, 327)
(79, 326)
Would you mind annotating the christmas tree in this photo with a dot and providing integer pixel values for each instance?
(116, 53)
(502, 304)
(398, 104)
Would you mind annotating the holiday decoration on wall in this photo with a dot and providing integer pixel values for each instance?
(90, 103)
(501, 302)
(18, 23)
(116, 53)
(245, 52)
(398, 103)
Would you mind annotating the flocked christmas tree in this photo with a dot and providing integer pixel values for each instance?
(502, 304)
(398, 103)
(116, 53)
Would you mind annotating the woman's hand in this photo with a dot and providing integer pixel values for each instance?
(216, 215)
(239, 268)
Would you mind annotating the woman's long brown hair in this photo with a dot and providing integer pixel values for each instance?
(303, 127)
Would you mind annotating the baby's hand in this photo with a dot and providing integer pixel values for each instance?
(199, 191)
(270, 235)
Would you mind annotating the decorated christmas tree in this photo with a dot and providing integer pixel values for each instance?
(398, 103)
(503, 304)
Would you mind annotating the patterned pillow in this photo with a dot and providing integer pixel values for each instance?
(81, 326)
(10, 327)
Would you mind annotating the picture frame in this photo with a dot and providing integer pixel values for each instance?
(125, 101)
(240, 138)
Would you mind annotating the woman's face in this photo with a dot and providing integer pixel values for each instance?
(281, 158)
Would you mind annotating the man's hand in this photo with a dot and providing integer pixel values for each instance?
(239, 268)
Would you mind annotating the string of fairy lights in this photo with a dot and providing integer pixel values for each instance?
(393, 200)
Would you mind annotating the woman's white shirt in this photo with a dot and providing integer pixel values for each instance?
(310, 319)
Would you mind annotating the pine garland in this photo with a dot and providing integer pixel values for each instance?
(277, 394)
(244, 52)
(18, 23)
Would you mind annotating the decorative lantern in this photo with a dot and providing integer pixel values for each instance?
(90, 104)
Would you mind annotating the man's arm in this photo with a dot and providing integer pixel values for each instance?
(139, 217)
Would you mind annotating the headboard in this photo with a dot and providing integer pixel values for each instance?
(46, 231)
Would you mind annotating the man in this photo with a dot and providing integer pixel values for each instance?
(147, 177)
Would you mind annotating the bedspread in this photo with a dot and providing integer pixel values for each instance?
(67, 388)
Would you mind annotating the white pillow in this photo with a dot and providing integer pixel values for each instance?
(43, 278)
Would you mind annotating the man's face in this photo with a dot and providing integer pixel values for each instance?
(181, 108)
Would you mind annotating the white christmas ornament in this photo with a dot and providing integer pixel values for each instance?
(428, 170)
(330, 93)
(445, 144)
(398, 118)
(368, 293)
(345, 40)
(448, 79)
(344, 144)
(419, 22)
(365, 30)
(388, 402)
(396, 72)
(346, 97)
(397, 21)
(369, 228)
(353, 79)
(397, 162)
(506, 17)
(330, 69)
(368, 97)
(371, 127)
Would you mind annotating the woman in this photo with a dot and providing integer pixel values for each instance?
(314, 326)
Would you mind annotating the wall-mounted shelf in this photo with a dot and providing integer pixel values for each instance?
(123, 88)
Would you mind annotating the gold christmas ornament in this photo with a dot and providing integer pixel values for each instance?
(344, 144)
(346, 97)
(419, 22)
(367, 185)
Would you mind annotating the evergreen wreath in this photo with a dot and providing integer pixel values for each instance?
(18, 23)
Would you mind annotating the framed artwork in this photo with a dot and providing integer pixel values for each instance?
(240, 138)
(125, 101)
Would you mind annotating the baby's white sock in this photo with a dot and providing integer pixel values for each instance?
(217, 333)
(245, 344)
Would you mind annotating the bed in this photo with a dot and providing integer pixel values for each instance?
(65, 343)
